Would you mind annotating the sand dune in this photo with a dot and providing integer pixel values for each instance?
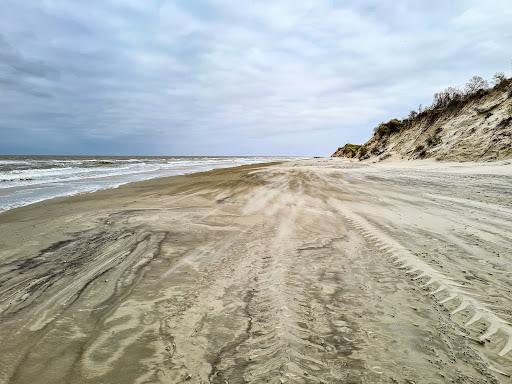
(472, 127)
(311, 271)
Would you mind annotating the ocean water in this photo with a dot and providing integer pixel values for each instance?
(26, 180)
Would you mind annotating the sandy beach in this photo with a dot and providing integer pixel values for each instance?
(307, 271)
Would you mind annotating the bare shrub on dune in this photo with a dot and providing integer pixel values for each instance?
(498, 78)
(445, 97)
(475, 84)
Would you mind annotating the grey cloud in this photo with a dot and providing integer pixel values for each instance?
(225, 76)
(12, 60)
(22, 74)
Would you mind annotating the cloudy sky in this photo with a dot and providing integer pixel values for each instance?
(186, 77)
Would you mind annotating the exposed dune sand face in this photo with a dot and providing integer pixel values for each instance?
(475, 129)
(314, 271)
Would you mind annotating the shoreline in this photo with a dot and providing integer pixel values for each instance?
(81, 193)
(300, 271)
(105, 199)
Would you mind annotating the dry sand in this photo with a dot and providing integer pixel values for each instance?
(312, 271)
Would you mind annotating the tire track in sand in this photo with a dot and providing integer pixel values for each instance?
(290, 335)
(446, 291)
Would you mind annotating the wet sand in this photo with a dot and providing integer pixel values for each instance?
(311, 271)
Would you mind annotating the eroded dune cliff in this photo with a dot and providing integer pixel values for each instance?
(463, 128)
